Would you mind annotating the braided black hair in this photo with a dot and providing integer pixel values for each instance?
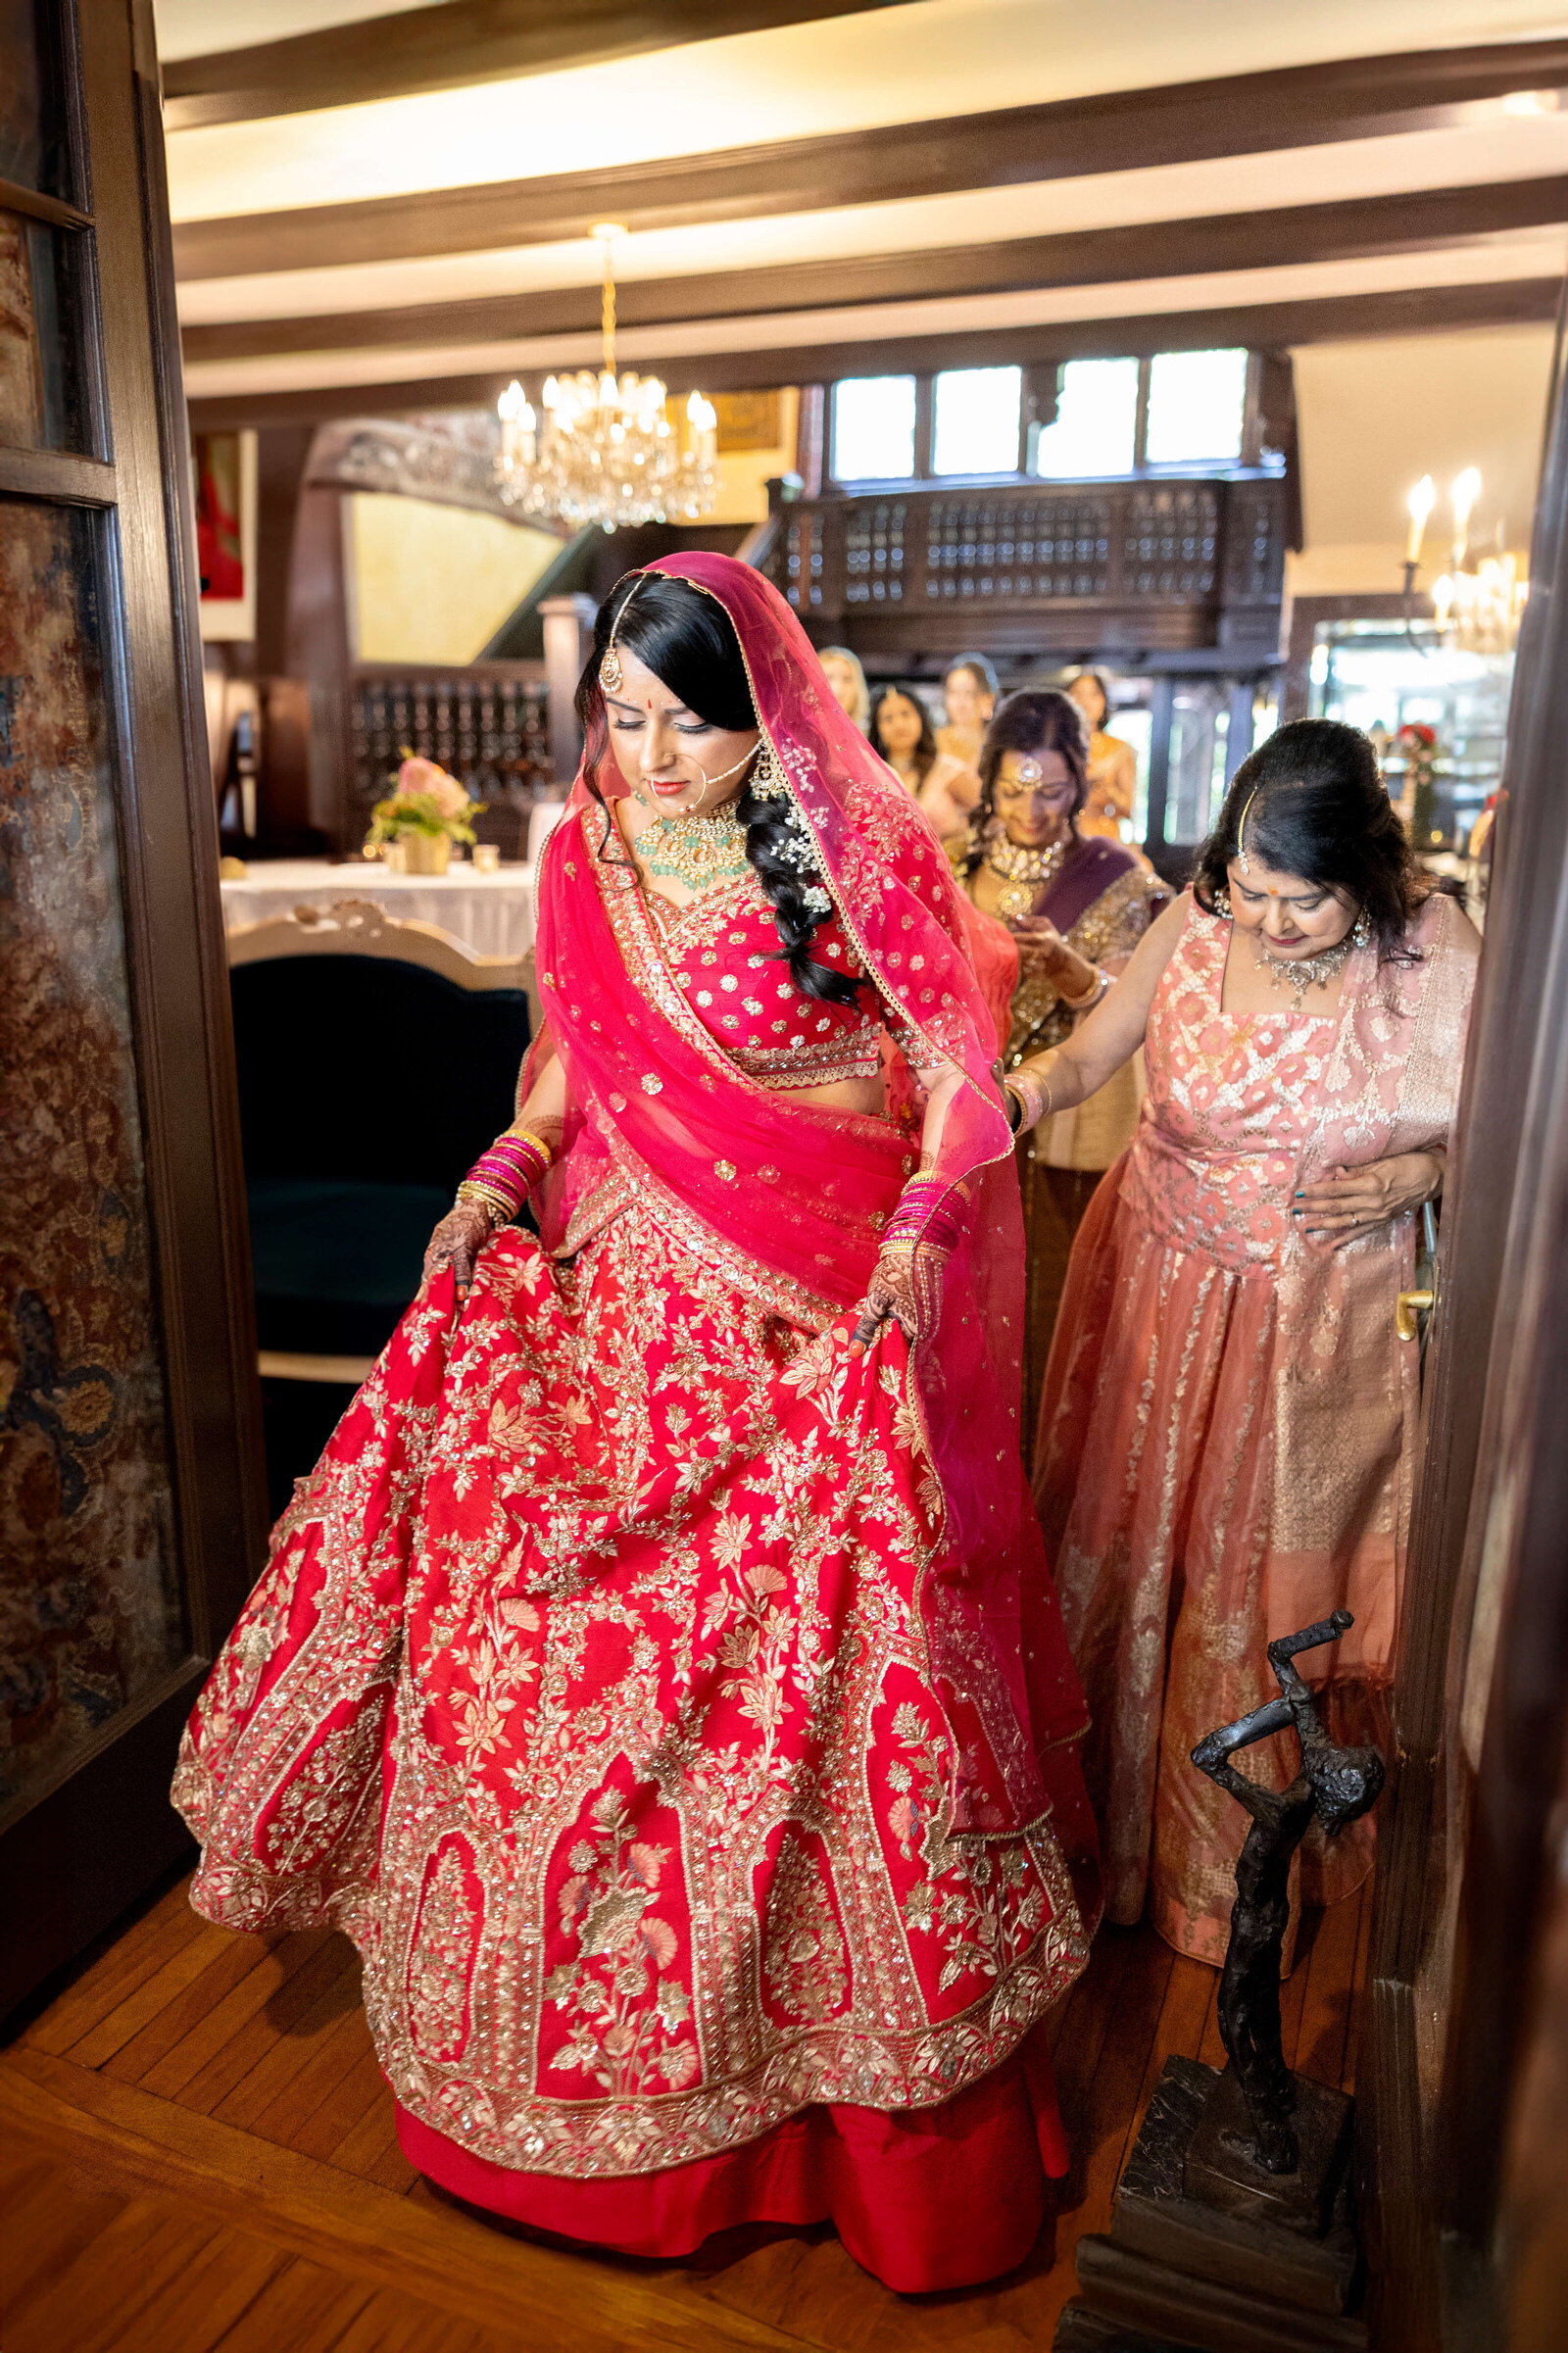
(688, 641)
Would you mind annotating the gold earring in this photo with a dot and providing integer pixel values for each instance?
(766, 779)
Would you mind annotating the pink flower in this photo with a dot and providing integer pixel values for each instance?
(424, 776)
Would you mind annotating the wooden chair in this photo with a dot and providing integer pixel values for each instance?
(376, 1059)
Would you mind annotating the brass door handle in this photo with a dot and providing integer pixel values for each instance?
(1407, 1307)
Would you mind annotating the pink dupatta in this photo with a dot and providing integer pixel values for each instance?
(791, 1199)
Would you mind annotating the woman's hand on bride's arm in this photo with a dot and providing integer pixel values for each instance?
(1351, 1201)
(456, 1243)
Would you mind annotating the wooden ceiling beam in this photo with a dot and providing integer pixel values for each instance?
(1245, 113)
(1258, 326)
(453, 46)
(1141, 251)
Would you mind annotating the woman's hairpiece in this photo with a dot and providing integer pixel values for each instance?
(1241, 832)
(610, 673)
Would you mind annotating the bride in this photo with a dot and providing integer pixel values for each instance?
(658, 1677)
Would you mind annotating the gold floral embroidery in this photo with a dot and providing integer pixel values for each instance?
(627, 2017)
(805, 1966)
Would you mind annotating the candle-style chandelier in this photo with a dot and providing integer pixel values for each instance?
(608, 451)
(1478, 604)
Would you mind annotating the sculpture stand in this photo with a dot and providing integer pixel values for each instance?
(1232, 2229)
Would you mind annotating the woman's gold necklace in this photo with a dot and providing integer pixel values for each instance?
(699, 852)
(1022, 875)
(1300, 972)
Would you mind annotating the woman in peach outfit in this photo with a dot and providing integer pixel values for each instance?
(1113, 764)
(1228, 1421)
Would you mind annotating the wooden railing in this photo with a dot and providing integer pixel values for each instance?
(1157, 564)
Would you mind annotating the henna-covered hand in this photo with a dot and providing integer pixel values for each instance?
(456, 1243)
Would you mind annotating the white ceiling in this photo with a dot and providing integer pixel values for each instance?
(1486, 149)
(922, 61)
(1481, 260)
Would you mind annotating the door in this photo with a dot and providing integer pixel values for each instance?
(130, 1489)
(1466, 1951)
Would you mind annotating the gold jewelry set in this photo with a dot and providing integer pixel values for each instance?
(1023, 873)
(705, 849)
(699, 852)
(1299, 974)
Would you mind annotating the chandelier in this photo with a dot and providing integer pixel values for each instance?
(606, 450)
(1477, 605)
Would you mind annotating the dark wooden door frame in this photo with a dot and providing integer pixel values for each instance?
(95, 1839)
(1430, 2157)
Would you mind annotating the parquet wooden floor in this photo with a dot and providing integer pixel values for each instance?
(198, 2152)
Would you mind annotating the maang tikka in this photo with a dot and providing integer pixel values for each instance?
(1241, 859)
(610, 674)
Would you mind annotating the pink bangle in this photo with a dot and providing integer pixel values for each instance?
(502, 1178)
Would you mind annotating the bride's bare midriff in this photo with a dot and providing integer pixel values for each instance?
(862, 1095)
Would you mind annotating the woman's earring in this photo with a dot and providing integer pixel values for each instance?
(766, 779)
(1360, 931)
(1222, 903)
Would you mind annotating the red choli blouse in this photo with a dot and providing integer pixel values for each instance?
(723, 951)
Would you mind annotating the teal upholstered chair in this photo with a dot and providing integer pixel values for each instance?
(376, 1059)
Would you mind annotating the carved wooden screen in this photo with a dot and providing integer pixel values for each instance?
(128, 1500)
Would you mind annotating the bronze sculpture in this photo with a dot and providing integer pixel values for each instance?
(1335, 1785)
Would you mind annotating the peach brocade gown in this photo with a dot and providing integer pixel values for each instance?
(1227, 1426)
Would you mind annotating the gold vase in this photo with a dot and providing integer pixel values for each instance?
(425, 853)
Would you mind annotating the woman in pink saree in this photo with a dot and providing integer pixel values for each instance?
(658, 1677)
(1228, 1421)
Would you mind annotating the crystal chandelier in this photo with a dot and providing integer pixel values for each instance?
(606, 450)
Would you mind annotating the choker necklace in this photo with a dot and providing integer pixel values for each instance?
(699, 852)
(1022, 874)
(1298, 973)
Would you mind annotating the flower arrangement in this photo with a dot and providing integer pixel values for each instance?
(424, 800)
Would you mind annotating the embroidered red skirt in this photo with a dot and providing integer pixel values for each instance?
(589, 1688)
(923, 2198)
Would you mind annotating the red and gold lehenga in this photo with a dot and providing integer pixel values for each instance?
(673, 1708)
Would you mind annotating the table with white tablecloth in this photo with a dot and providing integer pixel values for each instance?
(491, 913)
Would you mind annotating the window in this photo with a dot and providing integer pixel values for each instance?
(1096, 422)
(975, 420)
(873, 428)
(1197, 400)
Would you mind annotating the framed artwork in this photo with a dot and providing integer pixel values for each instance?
(224, 474)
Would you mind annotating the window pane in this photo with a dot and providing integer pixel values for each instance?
(32, 113)
(873, 428)
(976, 421)
(1195, 401)
(1096, 421)
(41, 402)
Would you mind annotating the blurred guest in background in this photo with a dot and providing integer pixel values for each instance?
(1113, 764)
(1228, 1426)
(947, 790)
(844, 675)
(970, 691)
(1077, 910)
